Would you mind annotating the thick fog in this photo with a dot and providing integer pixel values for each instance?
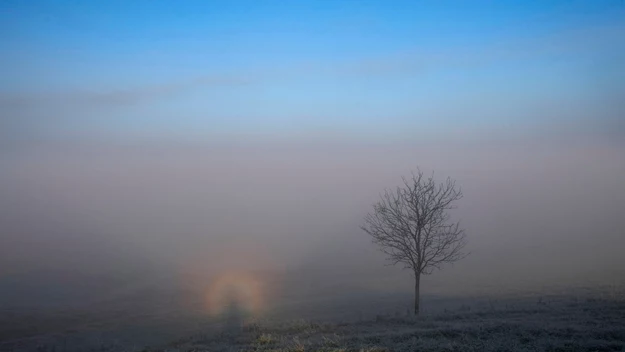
(92, 220)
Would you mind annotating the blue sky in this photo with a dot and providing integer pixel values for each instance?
(361, 69)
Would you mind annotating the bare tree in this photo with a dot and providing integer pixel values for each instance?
(412, 226)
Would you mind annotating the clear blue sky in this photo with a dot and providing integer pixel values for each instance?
(287, 68)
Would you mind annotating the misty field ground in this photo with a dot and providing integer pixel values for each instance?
(582, 326)
(541, 323)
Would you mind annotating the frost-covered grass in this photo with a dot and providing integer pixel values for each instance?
(583, 326)
(539, 323)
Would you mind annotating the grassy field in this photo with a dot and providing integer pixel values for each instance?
(536, 323)
(589, 325)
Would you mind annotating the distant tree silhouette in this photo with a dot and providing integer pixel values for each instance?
(412, 226)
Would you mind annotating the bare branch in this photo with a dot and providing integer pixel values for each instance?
(412, 225)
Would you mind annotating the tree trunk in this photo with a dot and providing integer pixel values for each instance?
(416, 293)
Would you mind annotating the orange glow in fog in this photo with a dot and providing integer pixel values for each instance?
(235, 287)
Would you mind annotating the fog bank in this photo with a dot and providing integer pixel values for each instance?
(89, 220)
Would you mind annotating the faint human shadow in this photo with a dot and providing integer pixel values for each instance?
(233, 315)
